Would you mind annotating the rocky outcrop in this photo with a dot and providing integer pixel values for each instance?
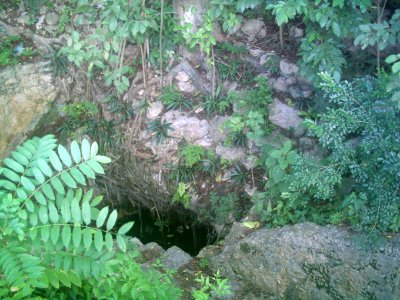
(307, 261)
(285, 117)
(25, 94)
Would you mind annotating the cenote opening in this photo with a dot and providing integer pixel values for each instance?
(189, 234)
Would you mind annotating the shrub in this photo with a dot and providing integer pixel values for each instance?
(55, 241)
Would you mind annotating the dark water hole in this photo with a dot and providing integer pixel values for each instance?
(170, 230)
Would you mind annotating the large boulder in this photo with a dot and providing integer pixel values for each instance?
(307, 261)
(285, 117)
(25, 94)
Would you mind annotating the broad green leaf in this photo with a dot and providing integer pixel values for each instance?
(276, 153)
(67, 263)
(77, 236)
(66, 236)
(33, 232)
(270, 162)
(27, 184)
(22, 214)
(55, 161)
(292, 157)
(52, 277)
(48, 191)
(76, 152)
(276, 174)
(53, 213)
(98, 240)
(87, 170)
(109, 241)
(287, 146)
(68, 180)
(396, 68)
(54, 234)
(86, 215)
(64, 279)
(93, 150)
(102, 159)
(8, 185)
(44, 167)
(75, 279)
(75, 211)
(33, 219)
(43, 214)
(125, 228)
(29, 205)
(95, 166)
(38, 175)
(87, 238)
(283, 164)
(45, 233)
(78, 176)
(88, 196)
(85, 146)
(11, 175)
(97, 200)
(336, 29)
(64, 156)
(20, 158)
(121, 243)
(95, 269)
(66, 211)
(21, 193)
(111, 220)
(102, 217)
(13, 165)
(58, 186)
(391, 59)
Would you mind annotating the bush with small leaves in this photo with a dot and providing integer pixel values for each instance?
(52, 235)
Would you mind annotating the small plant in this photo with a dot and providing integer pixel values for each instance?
(59, 63)
(211, 287)
(65, 17)
(192, 155)
(10, 48)
(237, 175)
(159, 130)
(122, 108)
(173, 99)
(224, 208)
(182, 195)
(272, 63)
(203, 263)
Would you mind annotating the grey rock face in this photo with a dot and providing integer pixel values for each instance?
(25, 94)
(251, 28)
(285, 117)
(174, 258)
(189, 128)
(287, 68)
(217, 131)
(231, 153)
(155, 110)
(307, 261)
(280, 85)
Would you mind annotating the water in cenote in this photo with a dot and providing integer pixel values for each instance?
(170, 230)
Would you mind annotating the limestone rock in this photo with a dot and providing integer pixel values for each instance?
(51, 19)
(307, 261)
(280, 85)
(25, 94)
(174, 258)
(287, 68)
(155, 110)
(251, 28)
(217, 131)
(189, 128)
(231, 153)
(285, 117)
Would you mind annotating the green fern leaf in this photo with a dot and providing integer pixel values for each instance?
(102, 217)
(45, 233)
(55, 161)
(53, 213)
(21, 158)
(66, 211)
(87, 170)
(27, 184)
(43, 215)
(85, 147)
(125, 228)
(66, 236)
(38, 175)
(44, 167)
(39, 197)
(11, 175)
(76, 236)
(98, 240)
(86, 213)
(68, 180)
(111, 220)
(93, 150)
(78, 176)
(48, 191)
(87, 238)
(75, 211)
(13, 165)
(76, 152)
(64, 156)
(95, 166)
(58, 186)
(54, 234)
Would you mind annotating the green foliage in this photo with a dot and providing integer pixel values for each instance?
(360, 133)
(59, 64)
(252, 119)
(192, 155)
(173, 99)
(159, 130)
(11, 51)
(52, 233)
(211, 286)
(182, 195)
(66, 16)
(224, 209)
